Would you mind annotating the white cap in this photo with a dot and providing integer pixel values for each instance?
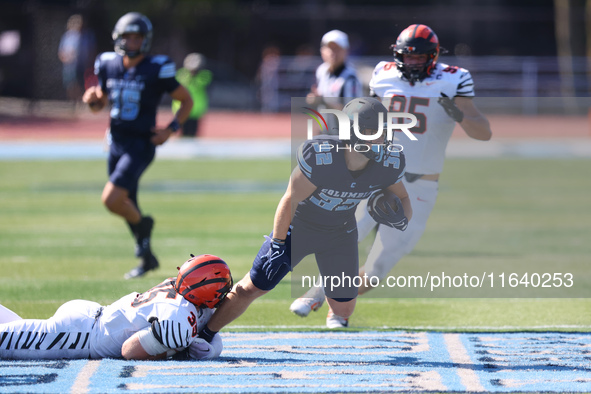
(338, 37)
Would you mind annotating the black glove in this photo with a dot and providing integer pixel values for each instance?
(451, 109)
(382, 212)
(276, 258)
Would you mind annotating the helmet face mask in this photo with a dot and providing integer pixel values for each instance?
(416, 40)
(132, 22)
(204, 281)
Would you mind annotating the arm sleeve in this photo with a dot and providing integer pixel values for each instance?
(465, 84)
(396, 167)
(99, 73)
(167, 76)
(172, 334)
(374, 78)
(307, 160)
(351, 87)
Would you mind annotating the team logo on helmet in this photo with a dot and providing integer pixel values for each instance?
(204, 280)
(417, 40)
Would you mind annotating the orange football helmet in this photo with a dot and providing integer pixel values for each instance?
(204, 280)
(417, 40)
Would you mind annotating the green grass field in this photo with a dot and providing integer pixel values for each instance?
(57, 241)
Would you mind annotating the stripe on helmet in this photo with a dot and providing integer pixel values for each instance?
(189, 271)
(203, 283)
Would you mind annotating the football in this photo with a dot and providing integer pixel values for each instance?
(385, 198)
(385, 208)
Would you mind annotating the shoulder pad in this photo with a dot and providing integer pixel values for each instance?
(379, 66)
(103, 58)
(106, 56)
(307, 154)
(159, 59)
(167, 71)
(303, 156)
(465, 83)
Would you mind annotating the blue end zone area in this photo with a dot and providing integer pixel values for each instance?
(330, 362)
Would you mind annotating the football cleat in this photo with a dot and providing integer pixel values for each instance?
(335, 321)
(312, 300)
(144, 232)
(148, 263)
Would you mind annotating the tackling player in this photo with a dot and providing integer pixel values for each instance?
(162, 322)
(439, 95)
(317, 214)
(133, 82)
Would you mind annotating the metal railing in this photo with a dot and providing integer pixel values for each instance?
(546, 84)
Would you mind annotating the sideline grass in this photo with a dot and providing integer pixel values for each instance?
(58, 243)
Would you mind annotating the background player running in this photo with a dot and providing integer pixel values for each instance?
(160, 323)
(133, 82)
(439, 95)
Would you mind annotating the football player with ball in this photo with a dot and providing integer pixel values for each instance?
(440, 96)
(316, 215)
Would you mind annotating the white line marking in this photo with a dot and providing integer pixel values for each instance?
(459, 355)
(83, 379)
(427, 328)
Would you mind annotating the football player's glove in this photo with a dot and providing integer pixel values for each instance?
(382, 211)
(200, 349)
(276, 258)
(451, 109)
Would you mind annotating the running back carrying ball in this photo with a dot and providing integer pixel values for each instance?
(386, 208)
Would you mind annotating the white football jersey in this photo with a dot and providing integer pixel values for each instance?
(180, 320)
(434, 127)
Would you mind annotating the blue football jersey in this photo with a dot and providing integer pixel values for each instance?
(322, 161)
(135, 93)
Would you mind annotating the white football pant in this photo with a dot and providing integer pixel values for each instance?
(67, 334)
(7, 316)
(390, 244)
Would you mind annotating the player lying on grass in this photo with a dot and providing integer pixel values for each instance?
(160, 323)
(317, 213)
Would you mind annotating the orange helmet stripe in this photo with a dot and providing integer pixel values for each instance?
(421, 31)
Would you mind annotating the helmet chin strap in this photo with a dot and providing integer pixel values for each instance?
(414, 73)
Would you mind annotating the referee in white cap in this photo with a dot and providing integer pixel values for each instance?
(336, 80)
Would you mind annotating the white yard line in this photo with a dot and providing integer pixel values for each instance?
(82, 382)
(460, 356)
(426, 328)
